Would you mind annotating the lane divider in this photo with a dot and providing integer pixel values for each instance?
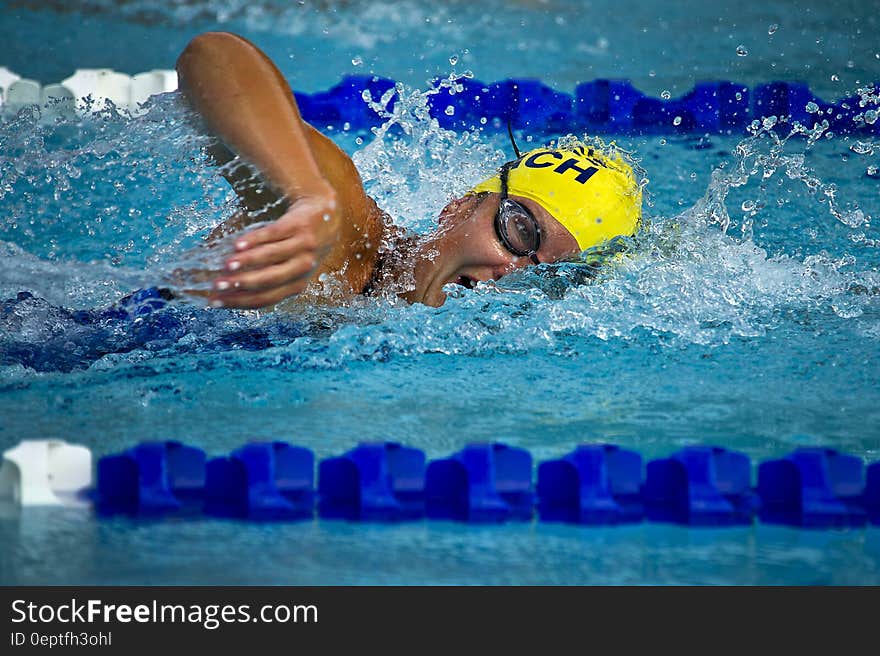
(45, 473)
(595, 484)
(597, 106)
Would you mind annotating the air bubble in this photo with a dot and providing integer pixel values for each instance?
(772, 29)
(834, 78)
(453, 60)
(812, 107)
(482, 120)
(748, 206)
(871, 116)
(676, 120)
(357, 61)
(741, 51)
(449, 111)
(665, 94)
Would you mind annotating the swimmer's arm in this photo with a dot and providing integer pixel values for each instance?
(248, 105)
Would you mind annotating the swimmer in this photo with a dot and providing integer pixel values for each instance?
(545, 206)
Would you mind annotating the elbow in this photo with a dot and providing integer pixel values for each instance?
(205, 47)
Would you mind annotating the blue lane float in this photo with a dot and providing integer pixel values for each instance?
(594, 484)
(152, 478)
(818, 488)
(481, 483)
(871, 497)
(375, 481)
(703, 486)
(787, 99)
(262, 481)
(344, 103)
(718, 107)
(598, 106)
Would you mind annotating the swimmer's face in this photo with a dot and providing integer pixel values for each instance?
(465, 249)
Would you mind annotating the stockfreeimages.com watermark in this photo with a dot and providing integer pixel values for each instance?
(209, 616)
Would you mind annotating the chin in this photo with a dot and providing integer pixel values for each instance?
(435, 299)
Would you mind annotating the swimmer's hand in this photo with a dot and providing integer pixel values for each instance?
(278, 260)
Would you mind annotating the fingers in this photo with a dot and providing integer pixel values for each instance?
(305, 215)
(267, 277)
(244, 300)
(276, 261)
(269, 254)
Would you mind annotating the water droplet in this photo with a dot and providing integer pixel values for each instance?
(453, 60)
(772, 29)
(812, 107)
(357, 61)
(676, 120)
(741, 50)
(665, 94)
(346, 126)
(326, 217)
(862, 148)
(449, 111)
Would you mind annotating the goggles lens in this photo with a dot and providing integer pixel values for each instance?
(517, 228)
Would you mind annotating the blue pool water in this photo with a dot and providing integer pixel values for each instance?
(748, 317)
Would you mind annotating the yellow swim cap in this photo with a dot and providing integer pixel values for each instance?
(595, 196)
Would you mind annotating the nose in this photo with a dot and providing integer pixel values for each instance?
(513, 263)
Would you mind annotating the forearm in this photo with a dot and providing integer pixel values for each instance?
(246, 102)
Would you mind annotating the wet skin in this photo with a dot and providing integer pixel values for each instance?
(320, 219)
(468, 251)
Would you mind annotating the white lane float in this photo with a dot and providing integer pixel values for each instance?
(46, 473)
(87, 88)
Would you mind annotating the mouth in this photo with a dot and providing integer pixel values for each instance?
(465, 281)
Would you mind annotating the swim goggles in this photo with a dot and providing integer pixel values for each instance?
(515, 225)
